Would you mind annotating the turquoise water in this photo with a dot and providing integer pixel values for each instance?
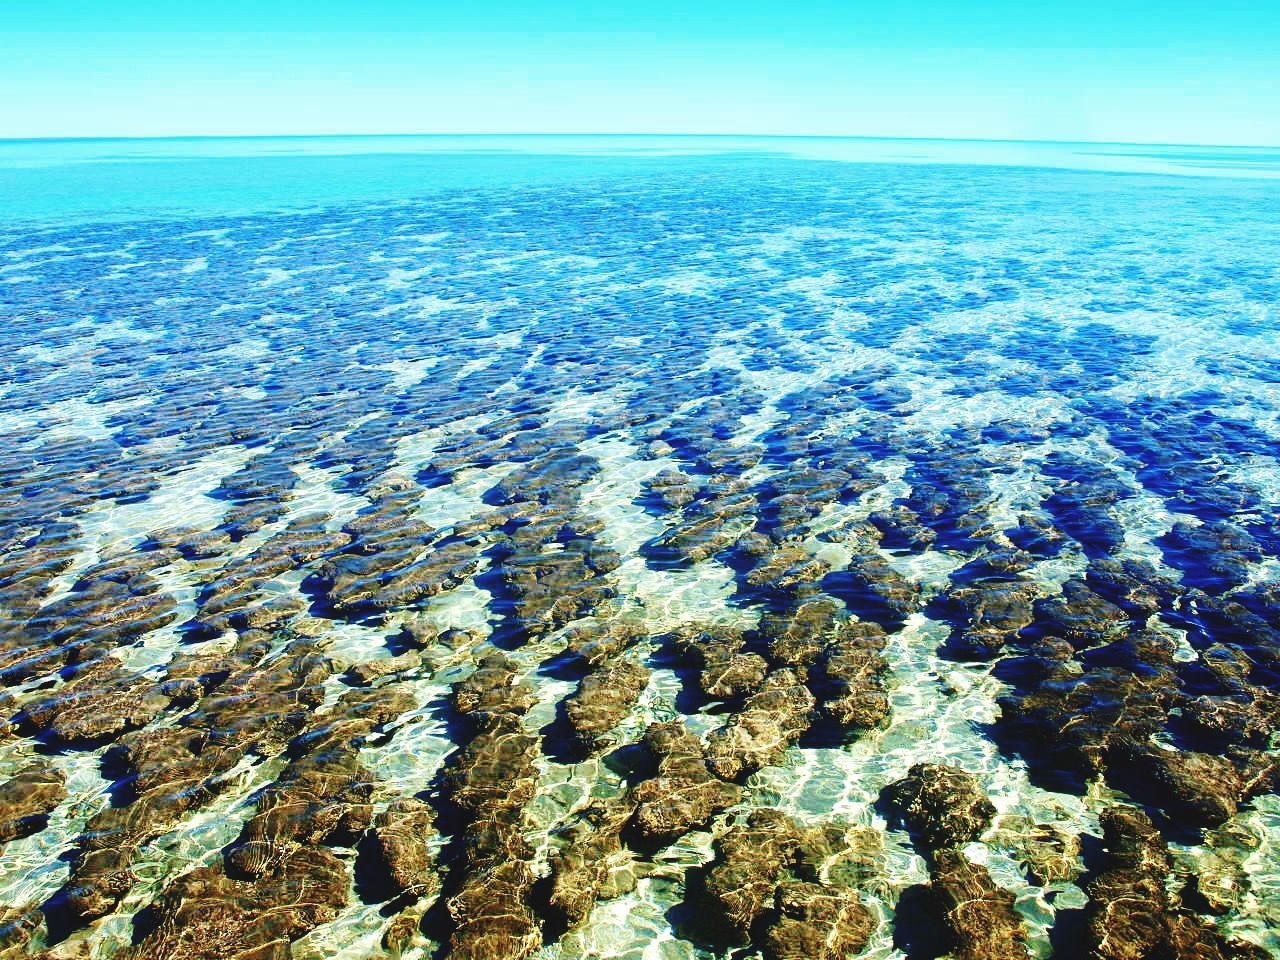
(297, 431)
(43, 179)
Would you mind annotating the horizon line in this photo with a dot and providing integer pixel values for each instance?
(757, 136)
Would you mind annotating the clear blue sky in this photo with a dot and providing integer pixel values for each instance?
(1163, 72)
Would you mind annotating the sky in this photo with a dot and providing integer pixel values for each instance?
(1142, 72)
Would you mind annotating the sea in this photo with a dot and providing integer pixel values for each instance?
(298, 434)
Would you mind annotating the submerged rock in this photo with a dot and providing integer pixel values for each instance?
(841, 854)
(725, 671)
(323, 795)
(1070, 720)
(1134, 585)
(1202, 789)
(941, 806)
(102, 702)
(603, 699)
(788, 569)
(1247, 720)
(699, 537)
(401, 837)
(593, 864)
(900, 527)
(490, 780)
(1218, 553)
(395, 560)
(551, 589)
(496, 769)
(750, 860)
(1049, 852)
(255, 709)
(996, 610)
(771, 722)
(672, 489)
(685, 794)
(975, 916)
(368, 671)
(797, 636)
(856, 676)
(598, 643)
(728, 676)
(491, 692)
(1082, 617)
(28, 797)
(208, 915)
(818, 923)
(1219, 885)
(17, 926)
(492, 917)
(882, 585)
(1130, 915)
(105, 609)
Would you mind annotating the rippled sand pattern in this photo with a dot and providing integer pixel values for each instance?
(792, 559)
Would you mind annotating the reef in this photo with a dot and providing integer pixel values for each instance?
(603, 698)
(942, 806)
(684, 794)
(695, 557)
(771, 720)
(779, 884)
(1130, 912)
(974, 917)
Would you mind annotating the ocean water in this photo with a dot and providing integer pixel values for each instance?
(275, 413)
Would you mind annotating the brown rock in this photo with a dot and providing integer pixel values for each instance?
(750, 860)
(977, 916)
(685, 794)
(491, 691)
(857, 674)
(401, 837)
(102, 702)
(817, 922)
(1203, 789)
(603, 699)
(492, 918)
(942, 806)
(1049, 853)
(593, 864)
(28, 797)
(770, 723)
(368, 671)
(496, 769)
(725, 672)
(1130, 915)
(207, 915)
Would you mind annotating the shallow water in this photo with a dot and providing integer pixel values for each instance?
(1074, 368)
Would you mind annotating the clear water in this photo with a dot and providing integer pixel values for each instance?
(182, 319)
(93, 178)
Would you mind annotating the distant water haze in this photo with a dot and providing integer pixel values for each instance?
(145, 177)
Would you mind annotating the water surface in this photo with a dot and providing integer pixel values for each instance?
(278, 412)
